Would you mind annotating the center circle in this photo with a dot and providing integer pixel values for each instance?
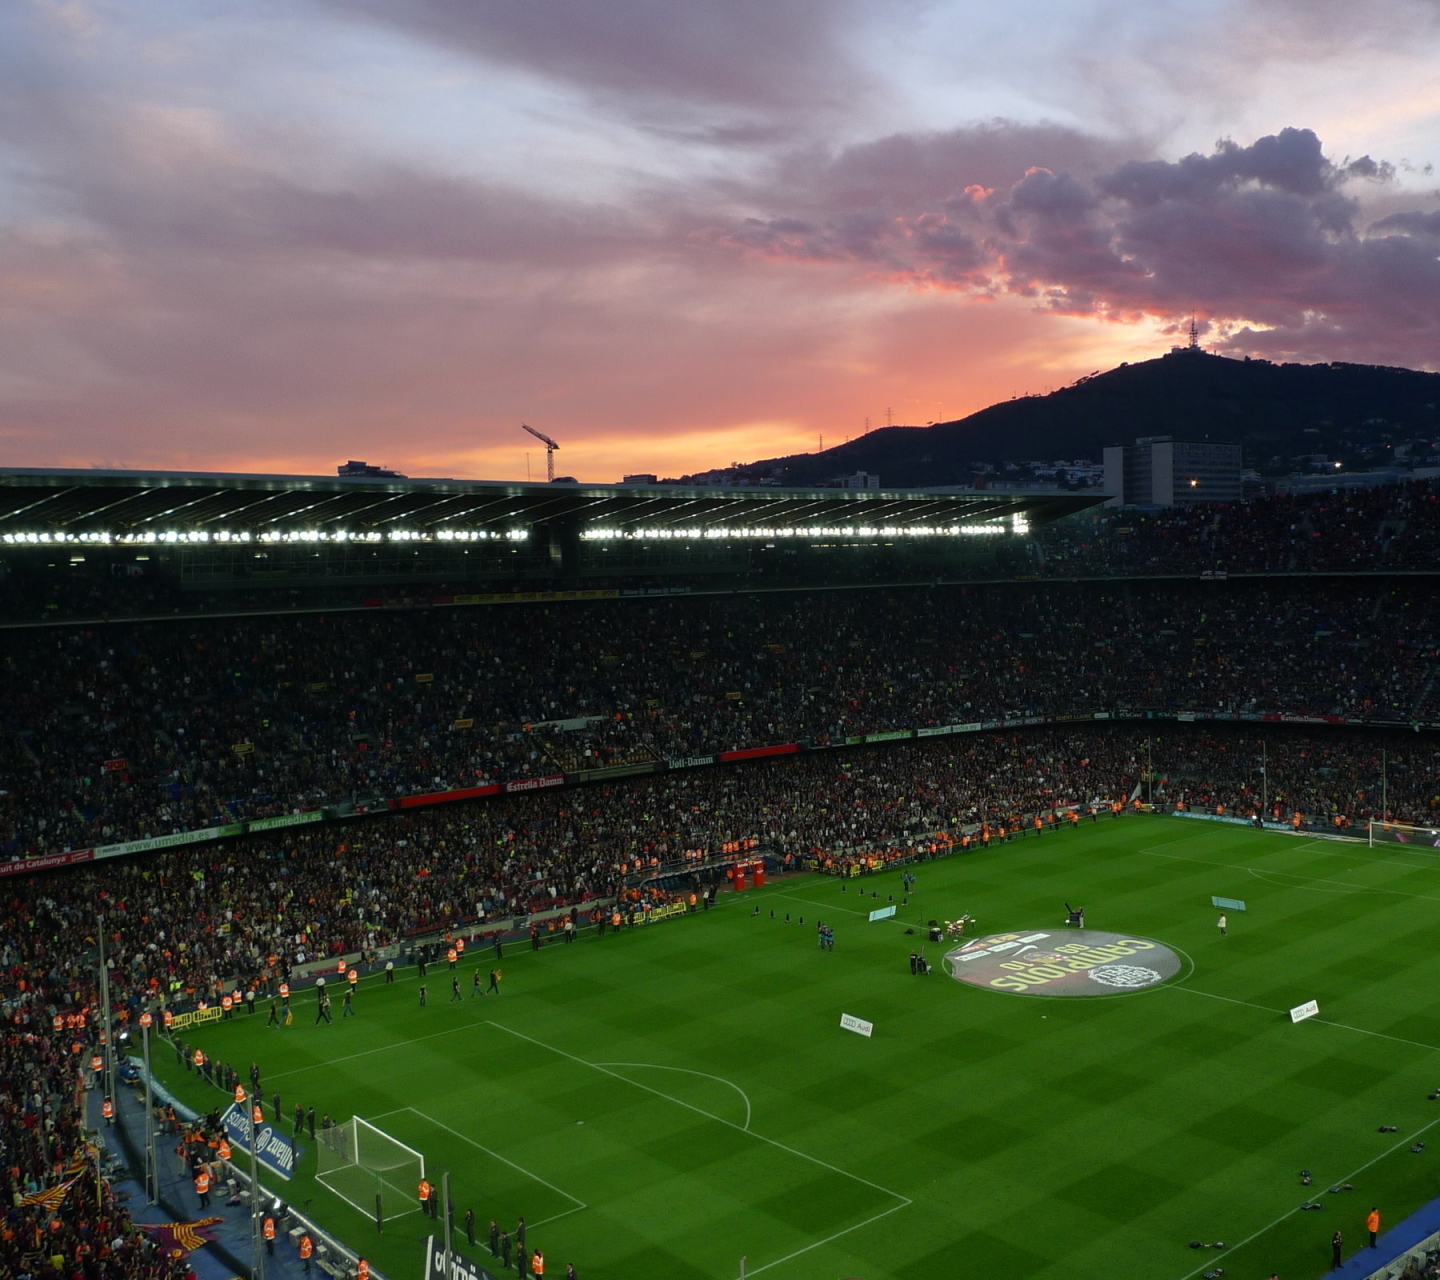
(1062, 962)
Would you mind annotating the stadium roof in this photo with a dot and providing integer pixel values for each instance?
(125, 507)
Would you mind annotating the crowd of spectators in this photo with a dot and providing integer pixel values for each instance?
(132, 731)
(1387, 528)
(1393, 528)
(182, 919)
(87, 1231)
(185, 924)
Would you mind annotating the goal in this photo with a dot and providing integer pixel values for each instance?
(1403, 833)
(368, 1169)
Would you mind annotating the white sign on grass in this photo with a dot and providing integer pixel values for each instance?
(857, 1025)
(1302, 1011)
(883, 913)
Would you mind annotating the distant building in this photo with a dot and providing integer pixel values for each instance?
(1159, 471)
(643, 478)
(353, 468)
(860, 480)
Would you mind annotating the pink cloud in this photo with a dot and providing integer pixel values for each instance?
(1269, 241)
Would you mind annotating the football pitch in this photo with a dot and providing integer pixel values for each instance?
(659, 1102)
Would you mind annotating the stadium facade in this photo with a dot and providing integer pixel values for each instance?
(211, 531)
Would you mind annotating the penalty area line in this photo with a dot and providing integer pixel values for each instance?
(519, 1168)
(904, 1201)
(680, 1102)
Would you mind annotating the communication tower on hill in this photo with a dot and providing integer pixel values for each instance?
(550, 447)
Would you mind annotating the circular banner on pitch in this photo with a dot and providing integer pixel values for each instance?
(1063, 962)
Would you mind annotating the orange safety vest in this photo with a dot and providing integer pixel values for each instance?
(451, 956)
(202, 1183)
(537, 1264)
(353, 976)
(199, 1058)
(269, 1228)
(307, 1247)
(225, 1003)
(223, 1150)
(284, 991)
(107, 1109)
(424, 1190)
(1372, 1223)
(362, 1270)
(460, 945)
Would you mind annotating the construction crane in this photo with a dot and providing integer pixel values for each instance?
(550, 447)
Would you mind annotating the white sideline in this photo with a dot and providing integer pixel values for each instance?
(1354, 1173)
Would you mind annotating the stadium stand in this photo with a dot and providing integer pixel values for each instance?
(124, 730)
(129, 732)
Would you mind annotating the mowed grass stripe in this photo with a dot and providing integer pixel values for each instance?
(1057, 1139)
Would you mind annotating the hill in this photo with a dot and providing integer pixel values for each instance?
(1280, 413)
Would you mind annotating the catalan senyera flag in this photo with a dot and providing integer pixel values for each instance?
(52, 1196)
(180, 1235)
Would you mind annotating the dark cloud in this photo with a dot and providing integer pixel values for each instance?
(746, 54)
(1267, 240)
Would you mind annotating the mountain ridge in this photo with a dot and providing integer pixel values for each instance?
(1280, 414)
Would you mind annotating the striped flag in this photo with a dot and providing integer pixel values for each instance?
(52, 1197)
(180, 1235)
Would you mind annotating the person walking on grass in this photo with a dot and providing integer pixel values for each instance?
(1337, 1247)
(1372, 1225)
(494, 981)
(1221, 925)
(423, 994)
(475, 988)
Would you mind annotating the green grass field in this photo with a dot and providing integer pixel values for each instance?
(660, 1102)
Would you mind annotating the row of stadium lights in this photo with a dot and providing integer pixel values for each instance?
(1016, 524)
(180, 538)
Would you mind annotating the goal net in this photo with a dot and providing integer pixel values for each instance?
(370, 1170)
(1403, 833)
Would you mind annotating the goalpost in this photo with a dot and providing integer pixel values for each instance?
(1404, 833)
(369, 1170)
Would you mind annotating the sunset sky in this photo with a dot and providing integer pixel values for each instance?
(277, 234)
